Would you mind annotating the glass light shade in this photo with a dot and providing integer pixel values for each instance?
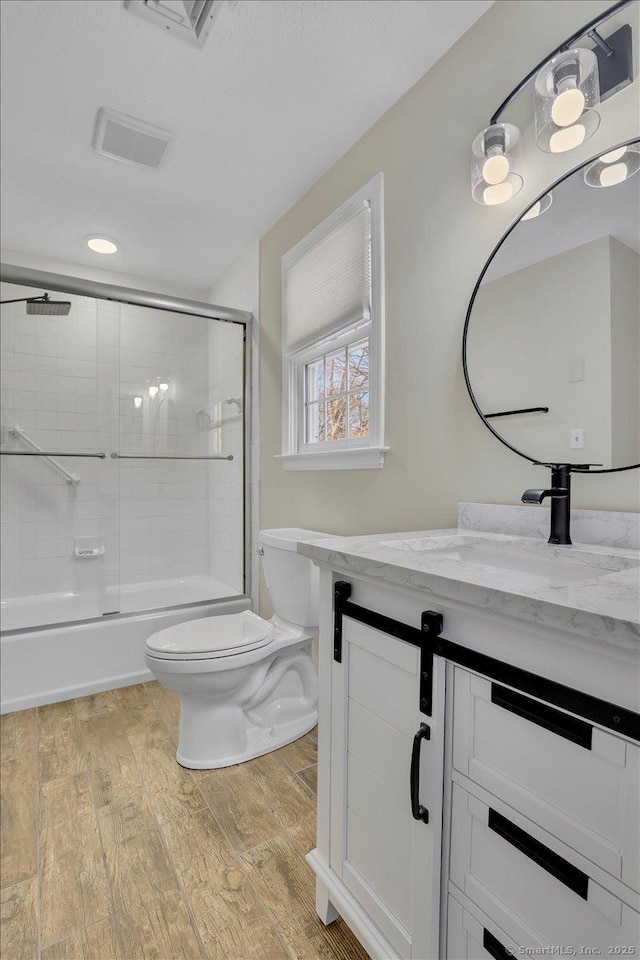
(153, 391)
(538, 208)
(613, 167)
(566, 95)
(496, 164)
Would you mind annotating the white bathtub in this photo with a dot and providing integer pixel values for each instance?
(20, 613)
(49, 664)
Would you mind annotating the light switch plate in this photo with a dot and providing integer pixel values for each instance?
(576, 438)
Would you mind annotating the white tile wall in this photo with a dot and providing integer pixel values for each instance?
(70, 383)
(226, 504)
(239, 288)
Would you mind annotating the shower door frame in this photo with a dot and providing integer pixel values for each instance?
(60, 283)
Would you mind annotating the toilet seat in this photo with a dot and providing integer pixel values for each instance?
(211, 637)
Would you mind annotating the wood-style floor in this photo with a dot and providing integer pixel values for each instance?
(112, 851)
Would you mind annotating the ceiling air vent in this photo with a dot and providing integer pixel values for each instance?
(130, 140)
(190, 19)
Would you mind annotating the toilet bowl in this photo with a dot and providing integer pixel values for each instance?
(246, 685)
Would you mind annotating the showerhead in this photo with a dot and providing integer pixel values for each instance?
(44, 307)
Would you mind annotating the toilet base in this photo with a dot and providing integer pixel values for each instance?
(259, 742)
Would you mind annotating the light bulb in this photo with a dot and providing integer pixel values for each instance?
(540, 206)
(137, 402)
(567, 107)
(164, 386)
(613, 174)
(495, 169)
(497, 193)
(567, 139)
(153, 392)
(613, 155)
(102, 244)
(532, 212)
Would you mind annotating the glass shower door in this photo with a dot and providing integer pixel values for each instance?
(179, 453)
(59, 537)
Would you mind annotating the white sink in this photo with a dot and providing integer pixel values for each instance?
(556, 565)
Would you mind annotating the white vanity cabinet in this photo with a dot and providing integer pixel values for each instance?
(532, 839)
(388, 860)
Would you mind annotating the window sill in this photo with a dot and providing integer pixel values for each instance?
(360, 458)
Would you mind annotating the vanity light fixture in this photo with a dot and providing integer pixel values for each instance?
(566, 95)
(495, 164)
(538, 208)
(102, 244)
(137, 402)
(568, 86)
(613, 167)
(153, 391)
(163, 385)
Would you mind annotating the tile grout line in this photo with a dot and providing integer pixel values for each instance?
(114, 917)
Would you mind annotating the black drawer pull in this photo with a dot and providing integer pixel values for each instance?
(554, 864)
(571, 728)
(494, 947)
(417, 810)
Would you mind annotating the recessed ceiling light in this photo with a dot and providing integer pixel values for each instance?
(102, 244)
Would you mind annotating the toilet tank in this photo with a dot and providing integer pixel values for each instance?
(292, 580)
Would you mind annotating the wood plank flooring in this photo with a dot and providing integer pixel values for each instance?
(112, 851)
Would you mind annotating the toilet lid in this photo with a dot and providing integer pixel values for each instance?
(211, 637)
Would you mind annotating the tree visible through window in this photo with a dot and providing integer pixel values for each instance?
(337, 394)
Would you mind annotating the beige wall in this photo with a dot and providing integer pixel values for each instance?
(625, 352)
(527, 331)
(437, 240)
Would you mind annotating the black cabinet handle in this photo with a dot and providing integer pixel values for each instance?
(571, 728)
(494, 947)
(550, 861)
(419, 812)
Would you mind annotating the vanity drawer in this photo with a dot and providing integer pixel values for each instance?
(579, 782)
(512, 870)
(471, 935)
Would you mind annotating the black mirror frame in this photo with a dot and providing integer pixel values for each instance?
(467, 380)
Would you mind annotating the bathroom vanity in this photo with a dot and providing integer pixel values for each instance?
(479, 763)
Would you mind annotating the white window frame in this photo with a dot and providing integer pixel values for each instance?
(357, 453)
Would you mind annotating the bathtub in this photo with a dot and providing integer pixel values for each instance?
(21, 613)
(46, 664)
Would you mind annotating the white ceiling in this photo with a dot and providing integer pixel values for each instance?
(281, 89)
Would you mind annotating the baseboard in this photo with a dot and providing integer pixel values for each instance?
(376, 945)
(72, 692)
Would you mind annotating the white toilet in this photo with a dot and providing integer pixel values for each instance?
(247, 685)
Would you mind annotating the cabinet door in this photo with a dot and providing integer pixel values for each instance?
(387, 859)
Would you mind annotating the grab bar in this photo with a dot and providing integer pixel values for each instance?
(37, 451)
(160, 456)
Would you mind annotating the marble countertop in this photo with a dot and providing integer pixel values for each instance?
(605, 606)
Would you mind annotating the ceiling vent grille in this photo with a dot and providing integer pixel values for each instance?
(190, 19)
(130, 140)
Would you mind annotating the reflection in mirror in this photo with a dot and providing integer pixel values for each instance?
(555, 329)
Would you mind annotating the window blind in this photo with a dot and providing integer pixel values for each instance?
(328, 284)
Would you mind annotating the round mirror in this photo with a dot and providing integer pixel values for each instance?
(552, 337)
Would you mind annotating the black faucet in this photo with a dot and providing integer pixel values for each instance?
(560, 496)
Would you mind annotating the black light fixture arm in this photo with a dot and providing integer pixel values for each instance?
(588, 30)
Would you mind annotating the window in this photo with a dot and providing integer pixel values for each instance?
(333, 340)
